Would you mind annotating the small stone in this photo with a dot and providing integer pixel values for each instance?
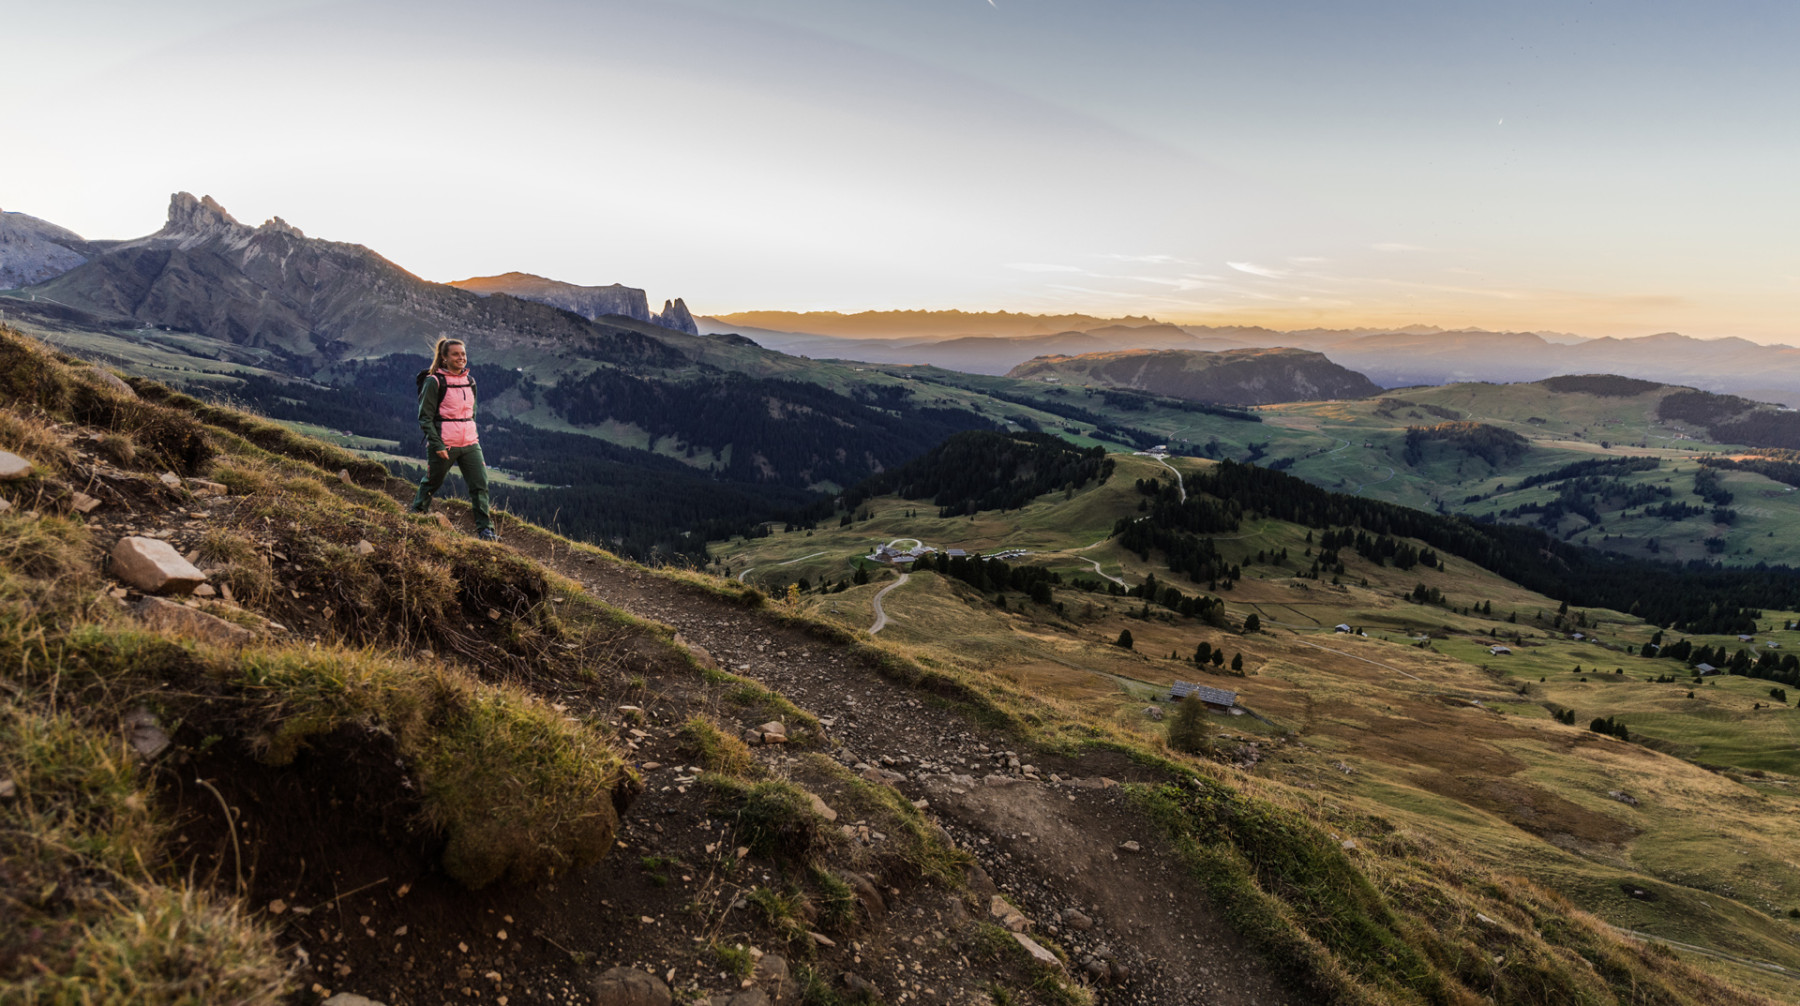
(344, 475)
(277, 906)
(365, 547)
(202, 487)
(820, 807)
(774, 727)
(205, 590)
(1347, 844)
(144, 734)
(154, 566)
(442, 521)
(83, 503)
(493, 614)
(1077, 920)
(170, 479)
(8, 789)
(1130, 847)
(13, 467)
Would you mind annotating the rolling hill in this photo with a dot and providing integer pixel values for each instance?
(1229, 377)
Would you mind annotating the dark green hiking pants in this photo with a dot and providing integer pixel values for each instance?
(474, 471)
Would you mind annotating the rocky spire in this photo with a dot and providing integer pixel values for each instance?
(675, 315)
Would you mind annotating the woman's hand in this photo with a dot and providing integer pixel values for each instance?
(444, 454)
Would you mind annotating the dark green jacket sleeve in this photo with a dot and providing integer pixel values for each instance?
(431, 395)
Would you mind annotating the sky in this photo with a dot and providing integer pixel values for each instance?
(1605, 168)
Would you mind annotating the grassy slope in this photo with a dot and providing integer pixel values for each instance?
(1398, 922)
(1382, 725)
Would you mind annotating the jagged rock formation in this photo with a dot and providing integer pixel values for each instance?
(302, 303)
(675, 316)
(1232, 377)
(33, 250)
(590, 302)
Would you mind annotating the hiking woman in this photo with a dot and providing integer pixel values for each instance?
(447, 416)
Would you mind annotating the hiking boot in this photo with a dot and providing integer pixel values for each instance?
(487, 534)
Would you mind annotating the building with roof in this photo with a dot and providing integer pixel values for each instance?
(1217, 700)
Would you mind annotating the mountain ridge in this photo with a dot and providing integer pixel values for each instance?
(1227, 377)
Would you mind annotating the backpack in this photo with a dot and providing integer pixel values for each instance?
(419, 381)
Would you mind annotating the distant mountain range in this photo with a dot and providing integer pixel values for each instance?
(1392, 358)
(918, 324)
(1230, 377)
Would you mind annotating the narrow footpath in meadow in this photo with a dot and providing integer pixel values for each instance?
(1055, 834)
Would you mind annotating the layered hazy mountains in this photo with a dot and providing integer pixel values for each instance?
(273, 290)
(996, 343)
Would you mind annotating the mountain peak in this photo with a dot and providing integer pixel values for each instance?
(200, 217)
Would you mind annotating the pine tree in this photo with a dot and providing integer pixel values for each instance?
(1190, 729)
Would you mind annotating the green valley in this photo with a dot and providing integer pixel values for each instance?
(1438, 720)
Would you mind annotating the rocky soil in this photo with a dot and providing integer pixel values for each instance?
(355, 893)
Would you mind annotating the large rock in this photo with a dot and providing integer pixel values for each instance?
(631, 987)
(154, 566)
(866, 893)
(351, 999)
(106, 378)
(172, 617)
(752, 996)
(773, 974)
(13, 467)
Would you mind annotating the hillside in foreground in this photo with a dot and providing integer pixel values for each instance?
(1417, 724)
(382, 757)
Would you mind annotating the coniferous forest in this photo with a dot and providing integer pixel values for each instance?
(1695, 597)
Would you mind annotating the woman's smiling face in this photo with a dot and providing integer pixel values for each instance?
(456, 357)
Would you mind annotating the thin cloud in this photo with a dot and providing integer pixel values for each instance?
(1043, 267)
(1257, 270)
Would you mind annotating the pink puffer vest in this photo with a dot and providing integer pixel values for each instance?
(456, 412)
